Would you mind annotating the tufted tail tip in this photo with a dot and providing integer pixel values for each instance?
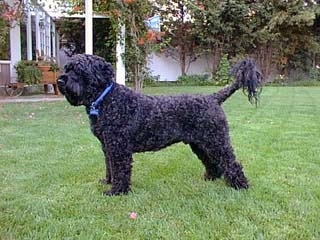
(248, 77)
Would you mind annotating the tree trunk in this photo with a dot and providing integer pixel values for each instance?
(182, 60)
(263, 55)
(216, 59)
(137, 83)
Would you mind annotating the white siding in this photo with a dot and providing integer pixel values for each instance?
(169, 70)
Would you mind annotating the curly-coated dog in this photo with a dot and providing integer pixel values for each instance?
(127, 122)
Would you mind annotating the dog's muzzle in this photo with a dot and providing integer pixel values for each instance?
(71, 92)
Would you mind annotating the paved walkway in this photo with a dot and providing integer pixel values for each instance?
(33, 98)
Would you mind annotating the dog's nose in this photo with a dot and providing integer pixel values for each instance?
(60, 81)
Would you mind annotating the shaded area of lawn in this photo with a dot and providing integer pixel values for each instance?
(50, 165)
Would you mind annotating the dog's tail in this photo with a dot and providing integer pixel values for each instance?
(248, 76)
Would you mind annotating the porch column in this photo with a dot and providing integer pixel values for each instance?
(29, 32)
(15, 47)
(48, 36)
(88, 27)
(120, 50)
(15, 50)
(37, 20)
(53, 39)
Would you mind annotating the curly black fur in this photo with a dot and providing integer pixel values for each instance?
(130, 122)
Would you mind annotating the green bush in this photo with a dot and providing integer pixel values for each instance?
(304, 83)
(222, 76)
(28, 72)
(150, 80)
(195, 80)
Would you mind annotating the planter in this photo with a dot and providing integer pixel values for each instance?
(48, 77)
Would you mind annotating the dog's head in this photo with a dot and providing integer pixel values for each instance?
(84, 78)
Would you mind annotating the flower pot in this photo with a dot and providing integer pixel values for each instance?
(48, 77)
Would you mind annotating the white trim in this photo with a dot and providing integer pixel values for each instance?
(66, 15)
(5, 61)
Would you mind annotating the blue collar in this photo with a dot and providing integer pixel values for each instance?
(94, 111)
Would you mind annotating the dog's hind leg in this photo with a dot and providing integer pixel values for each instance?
(213, 170)
(234, 175)
(232, 170)
(219, 159)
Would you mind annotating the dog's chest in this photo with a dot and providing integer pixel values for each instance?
(96, 128)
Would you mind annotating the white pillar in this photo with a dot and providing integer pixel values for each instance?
(48, 36)
(15, 47)
(29, 32)
(57, 43)
(53, 39)
(37, 19)
(15, 50)
(88, 27)
(120, 49)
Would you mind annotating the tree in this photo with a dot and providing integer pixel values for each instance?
(222, 76)
(10, 15)
(138, 39)
(272, 31)
(290, 27)
(180, 40)
(222, 27)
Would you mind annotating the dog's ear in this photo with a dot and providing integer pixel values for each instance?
(103, 70)
(91, 70)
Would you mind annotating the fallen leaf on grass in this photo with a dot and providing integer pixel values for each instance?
(133, 215)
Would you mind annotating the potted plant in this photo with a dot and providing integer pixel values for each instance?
(28, 72)
(49, 69)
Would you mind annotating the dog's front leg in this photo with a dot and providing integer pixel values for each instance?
(119, 164)
(108, 178)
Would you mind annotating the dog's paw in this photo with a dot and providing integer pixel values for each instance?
(207, 177)
(239, 183)
(211, 176)
(114, 192)
(105, 181)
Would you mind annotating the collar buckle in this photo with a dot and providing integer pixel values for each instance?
(93, 110)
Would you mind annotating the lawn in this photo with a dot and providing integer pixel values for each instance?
(50, 164)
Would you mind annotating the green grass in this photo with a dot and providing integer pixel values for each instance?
(50, 164)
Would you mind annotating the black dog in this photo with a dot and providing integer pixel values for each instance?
(126, 121)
